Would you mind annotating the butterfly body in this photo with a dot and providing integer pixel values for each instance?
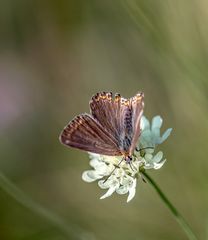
(112, 128)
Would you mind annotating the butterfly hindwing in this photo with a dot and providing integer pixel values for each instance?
(137, 105)
(86, 133)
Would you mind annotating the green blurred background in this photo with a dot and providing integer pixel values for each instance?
(53, 56)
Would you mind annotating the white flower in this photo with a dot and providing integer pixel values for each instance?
(155, 162)
(116, 175)
(150, 135)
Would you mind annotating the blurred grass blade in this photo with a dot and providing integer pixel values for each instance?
(178, 217)
(68, 230)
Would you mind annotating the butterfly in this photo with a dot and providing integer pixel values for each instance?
(112, 128)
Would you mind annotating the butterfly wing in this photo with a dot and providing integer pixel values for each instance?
(106, 110)
(85, 133)
(137, 105)
(115, 115)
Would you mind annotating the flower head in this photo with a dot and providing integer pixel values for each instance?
(116, 175)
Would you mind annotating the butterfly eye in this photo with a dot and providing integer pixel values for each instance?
(128, 159)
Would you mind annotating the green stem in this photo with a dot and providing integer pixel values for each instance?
(184, 225)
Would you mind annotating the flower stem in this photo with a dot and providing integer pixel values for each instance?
(184, 225)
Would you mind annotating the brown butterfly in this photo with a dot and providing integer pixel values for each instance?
(112, 128)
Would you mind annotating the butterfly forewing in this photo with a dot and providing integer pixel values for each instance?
(114, 114)
(106, 110)
(86, 133)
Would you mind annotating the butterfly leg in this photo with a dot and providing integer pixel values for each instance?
(131, 166)
(129, 161)
(114, 170)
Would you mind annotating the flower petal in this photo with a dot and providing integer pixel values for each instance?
(110, 191)
(165, 135)
(90, 176)
(132, 191)
(159, 165)
(112, 181)
(156, 122)
(148, 157)
(145, 139)
(123, 189)
(148, 166)
(104, 184)
(145, 124)
(158, 157)
(94, 162)
(93, 155)
(104, 169)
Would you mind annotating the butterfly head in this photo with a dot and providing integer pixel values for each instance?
(128, 159)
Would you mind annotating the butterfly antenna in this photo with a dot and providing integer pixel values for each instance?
(113, 170)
